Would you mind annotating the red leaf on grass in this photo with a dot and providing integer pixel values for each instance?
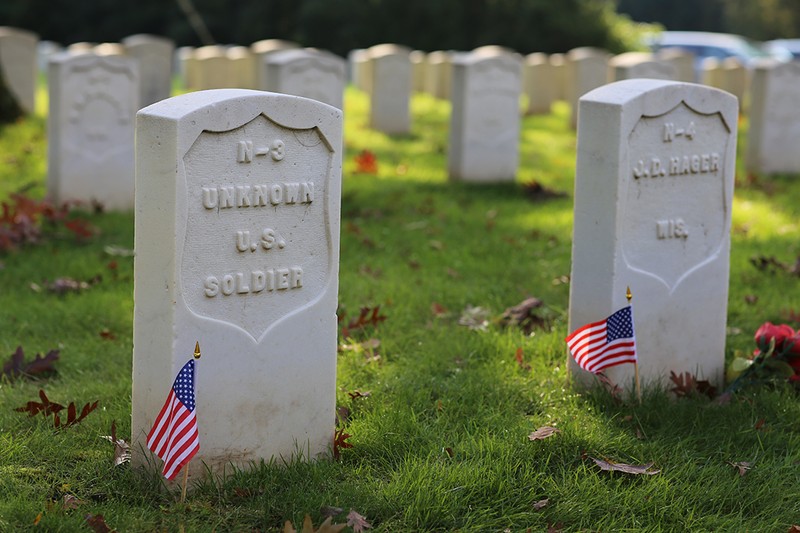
(45, 407)
(98, 524)
(368, 316)
(339, 438)
(521, 360)
(366, 162)
(357, 522)
(687, 384)
(438, 310)
(609, 466)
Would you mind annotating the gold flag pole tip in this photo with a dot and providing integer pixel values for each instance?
(628, 294)
(197, 350)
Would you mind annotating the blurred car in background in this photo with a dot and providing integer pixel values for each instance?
(719, 46)
(790, 45)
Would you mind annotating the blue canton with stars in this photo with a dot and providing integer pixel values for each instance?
(184, 385)
(619, 325)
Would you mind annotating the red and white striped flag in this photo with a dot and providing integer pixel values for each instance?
(174, 436)
(606, 343)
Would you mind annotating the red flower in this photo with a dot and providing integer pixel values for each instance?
(783, 335)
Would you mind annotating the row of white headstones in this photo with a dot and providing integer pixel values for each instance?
(237, 242)
(93, 100)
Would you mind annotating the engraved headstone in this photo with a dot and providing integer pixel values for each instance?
(237, 248)
(735, 79)
(586, 69)
(18, 60)
(772, 140)
(109, 49)
(93, 102)
(539, 82)
(559, 64)
(355, 60)
(390, 98)
(307, 72)
(653, 195)
(485, 118)
(154, 54)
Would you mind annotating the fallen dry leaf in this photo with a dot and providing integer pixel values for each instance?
(742, 466)
(523, 316)
(609, 466)
(543, 433)
(357, 522)
(98, 524)
(339, 438)
(358, 394)
(518, 355)
(327, 511)
(368, 316)
(71, 502)
(475, 318)
(40, 366)
(438, 310)
(687, 384)
(122, 450)
(308, 526)
(541, 504)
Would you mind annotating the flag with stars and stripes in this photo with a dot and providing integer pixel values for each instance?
(174, 436)
(606, 343)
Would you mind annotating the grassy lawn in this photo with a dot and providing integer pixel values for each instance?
(440, 443)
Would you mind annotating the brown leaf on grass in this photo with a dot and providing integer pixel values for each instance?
(368, 316)
(357, 522)
(557, 527)
(45, 407)
(328, 511)
(475, 318)
(541, 504)
(790, 315)
(609, 466)
(342, 415)
(771, 265)
(742, 466)
(687, 384)
(534, 191)
(521, 360)
(308, 526)
(366, 162)
(70, 502)
(760, 424)
(39, 367)
(107, 334)
(339, 438)
(794, 529)
(751, 299)
(122, 450)
(37, 519)
(438, 310)
(543, 433)
(523, 315)
(98, 524)
(358, 394)
(72, 415)
(61, 286)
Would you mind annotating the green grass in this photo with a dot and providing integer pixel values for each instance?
(441, 443)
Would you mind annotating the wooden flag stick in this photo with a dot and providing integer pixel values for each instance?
(629, 296)
(185, 482)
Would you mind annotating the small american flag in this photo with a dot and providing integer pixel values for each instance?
(606, 343)
(174, 437)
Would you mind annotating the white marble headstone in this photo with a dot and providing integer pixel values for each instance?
(485, 118)
(653, 195)
(772, 140)
(237, 248)
(18, 61)
(390, 97)
(586, 68)
(632, 65)
(307, 72)
(93, 102)
(539, 82)
(155, 65)
(263, 48)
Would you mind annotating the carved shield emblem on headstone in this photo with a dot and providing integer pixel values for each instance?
(258, 243)
(675, 206)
